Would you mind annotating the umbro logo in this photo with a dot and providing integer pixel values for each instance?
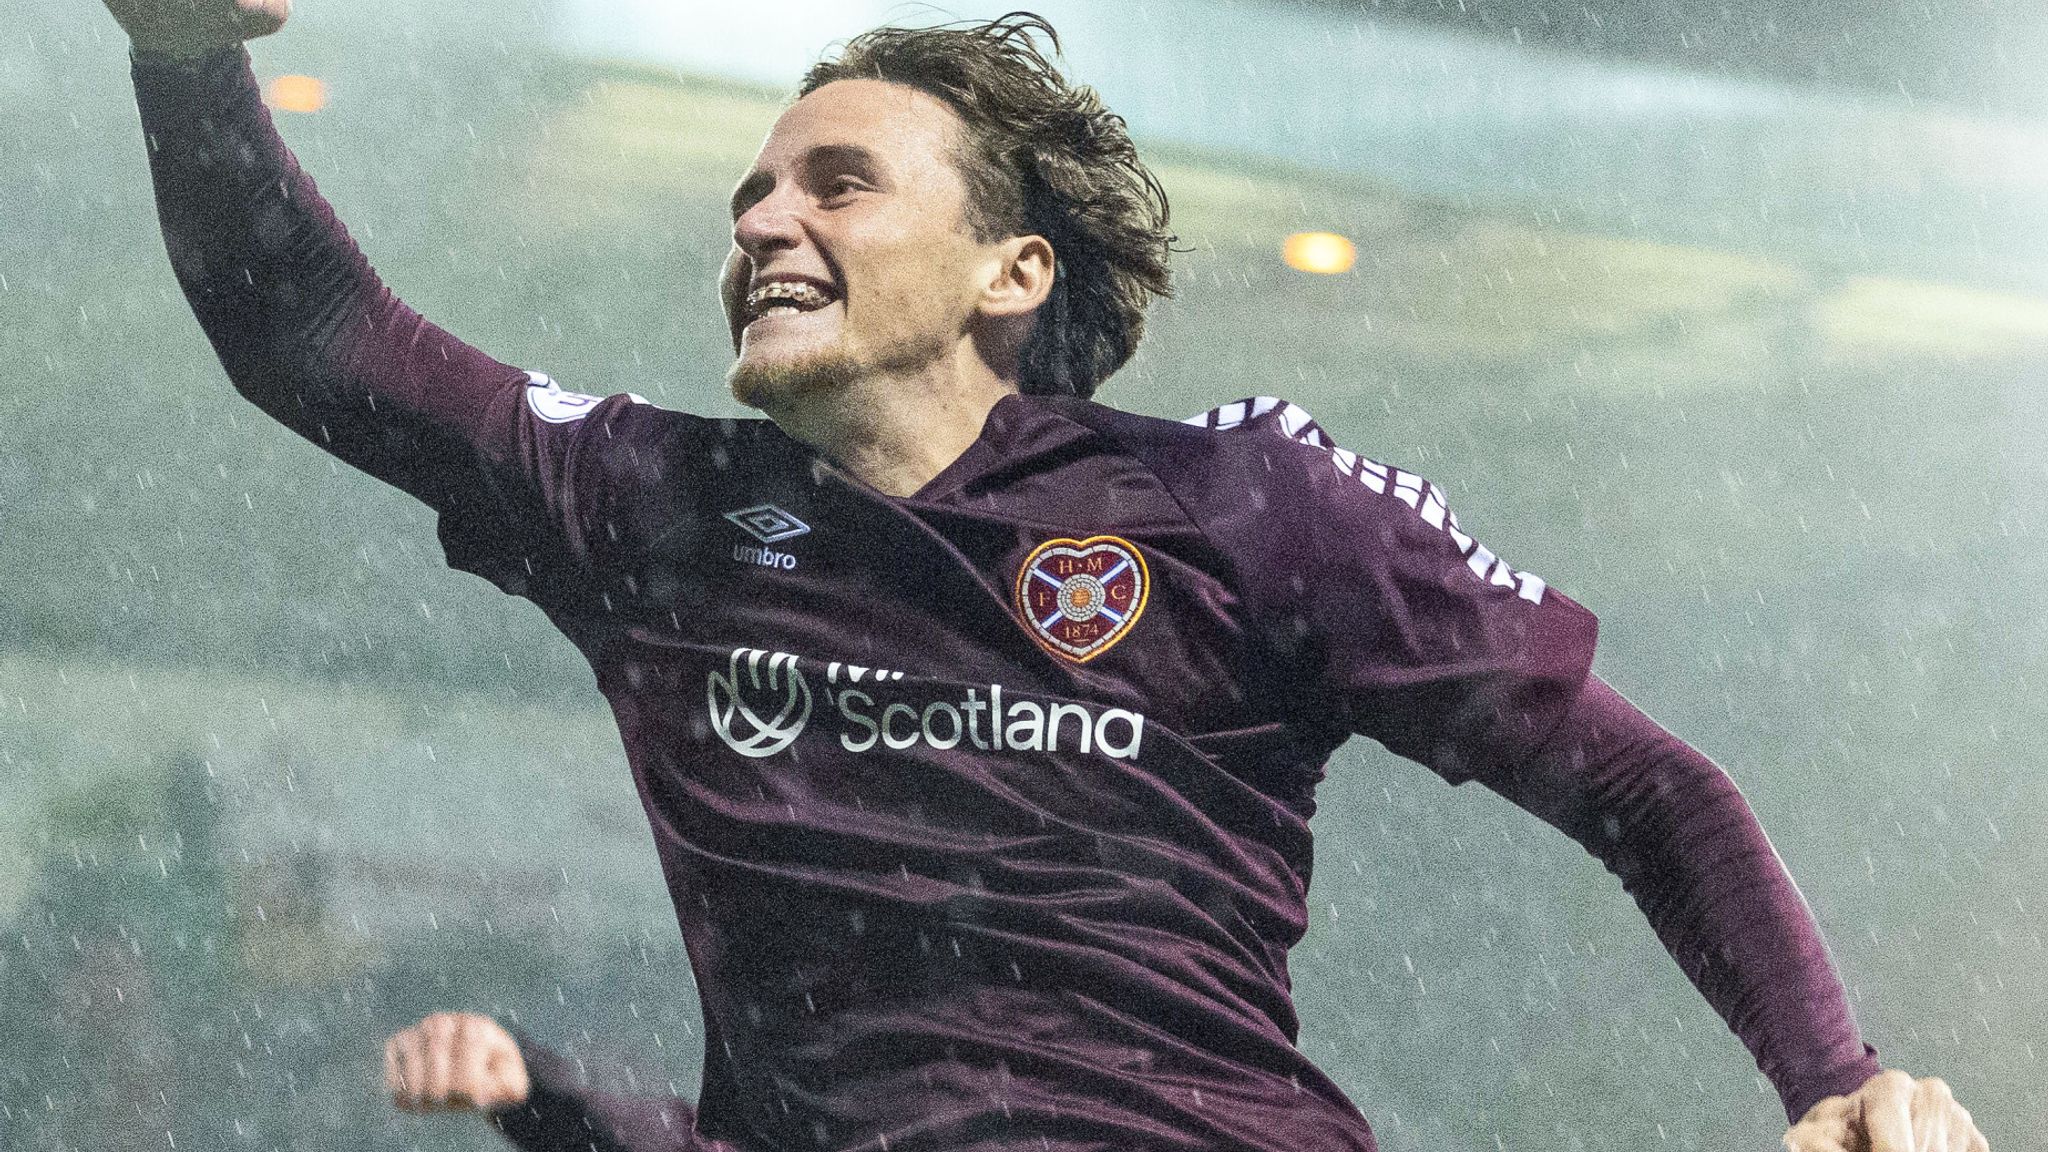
(768, 524)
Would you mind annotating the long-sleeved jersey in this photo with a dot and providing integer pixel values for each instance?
(984, 811)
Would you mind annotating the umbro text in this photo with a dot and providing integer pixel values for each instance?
(764, 557)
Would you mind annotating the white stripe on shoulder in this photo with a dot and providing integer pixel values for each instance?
(1281, 418)
(1276, 414)
(1267, 413)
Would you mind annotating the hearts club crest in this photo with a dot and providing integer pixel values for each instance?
(1079, 597)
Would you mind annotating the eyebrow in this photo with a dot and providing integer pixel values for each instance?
(823, 156)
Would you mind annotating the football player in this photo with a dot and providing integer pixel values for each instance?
(978, 724)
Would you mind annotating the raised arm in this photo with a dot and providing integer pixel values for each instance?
(192, 28)
(305, 329)
(309, 334)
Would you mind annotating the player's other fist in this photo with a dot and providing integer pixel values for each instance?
(454, 1060)
(196, 27)
(1892, 1112)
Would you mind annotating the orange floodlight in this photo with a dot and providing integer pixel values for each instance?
(1323, 252)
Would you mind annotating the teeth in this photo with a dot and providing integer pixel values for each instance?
(802, 295)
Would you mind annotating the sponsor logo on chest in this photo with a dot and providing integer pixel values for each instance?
(762, 701)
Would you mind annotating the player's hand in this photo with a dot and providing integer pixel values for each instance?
(196, 27)
(452, 1061)
(1892, 1112)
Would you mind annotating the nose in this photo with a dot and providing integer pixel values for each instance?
(769, 224)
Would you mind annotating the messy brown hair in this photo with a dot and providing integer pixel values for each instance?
(1040, 157)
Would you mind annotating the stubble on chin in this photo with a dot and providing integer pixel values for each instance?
(777, 385)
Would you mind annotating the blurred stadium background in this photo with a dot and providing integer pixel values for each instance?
(1728, 318)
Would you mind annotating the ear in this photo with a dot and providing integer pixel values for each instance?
(1020, 278)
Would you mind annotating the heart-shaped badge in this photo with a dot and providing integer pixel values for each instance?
(1079, 597)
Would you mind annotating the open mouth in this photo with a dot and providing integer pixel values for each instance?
(787, 298)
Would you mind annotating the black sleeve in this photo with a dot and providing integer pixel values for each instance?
(561, 1116)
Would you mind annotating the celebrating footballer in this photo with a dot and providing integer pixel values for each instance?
(978, 724)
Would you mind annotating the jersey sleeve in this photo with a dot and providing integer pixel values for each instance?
(308, 333)
(1381, 615)
(1384, 616)
(1676, 831)
(559, 1114)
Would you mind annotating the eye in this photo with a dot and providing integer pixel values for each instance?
(839, 187)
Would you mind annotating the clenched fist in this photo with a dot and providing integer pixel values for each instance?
(452, 1061)
(196, 27)
(1892, 1112)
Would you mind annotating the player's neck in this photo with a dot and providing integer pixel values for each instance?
(896, 434)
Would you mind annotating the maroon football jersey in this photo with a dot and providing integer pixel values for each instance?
(984, 811)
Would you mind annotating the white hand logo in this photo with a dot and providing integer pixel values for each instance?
(747, 694)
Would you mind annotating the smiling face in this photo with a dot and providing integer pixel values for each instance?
(852, 256)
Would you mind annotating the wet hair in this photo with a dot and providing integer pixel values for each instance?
(1040, 157)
